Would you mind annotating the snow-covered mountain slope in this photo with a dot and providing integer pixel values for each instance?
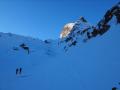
(13, 56)
(46, 66)
(83, 31)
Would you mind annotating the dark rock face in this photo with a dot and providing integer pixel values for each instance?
(114, 88)
(84, 31)
(25, 47)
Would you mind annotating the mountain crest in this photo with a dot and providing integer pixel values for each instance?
(82, 30)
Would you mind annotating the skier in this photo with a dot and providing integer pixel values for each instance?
(20, 71)
(17, 71)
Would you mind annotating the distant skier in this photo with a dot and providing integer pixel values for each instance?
(20, 71)
(17, 71)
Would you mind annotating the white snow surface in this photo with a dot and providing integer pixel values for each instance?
(94, 65)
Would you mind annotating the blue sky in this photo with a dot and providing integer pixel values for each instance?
(45, 18)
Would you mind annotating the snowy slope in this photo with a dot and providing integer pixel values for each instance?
(94, 65)
(77, 69)
(12, 56)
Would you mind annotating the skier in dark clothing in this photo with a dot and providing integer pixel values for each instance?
(20, 71)
(17, 71)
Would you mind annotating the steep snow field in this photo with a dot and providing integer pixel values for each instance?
(49, 67)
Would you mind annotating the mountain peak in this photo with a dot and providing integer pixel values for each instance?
(82, 30)
(69, 27)
(66, 30)
(83, 19)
